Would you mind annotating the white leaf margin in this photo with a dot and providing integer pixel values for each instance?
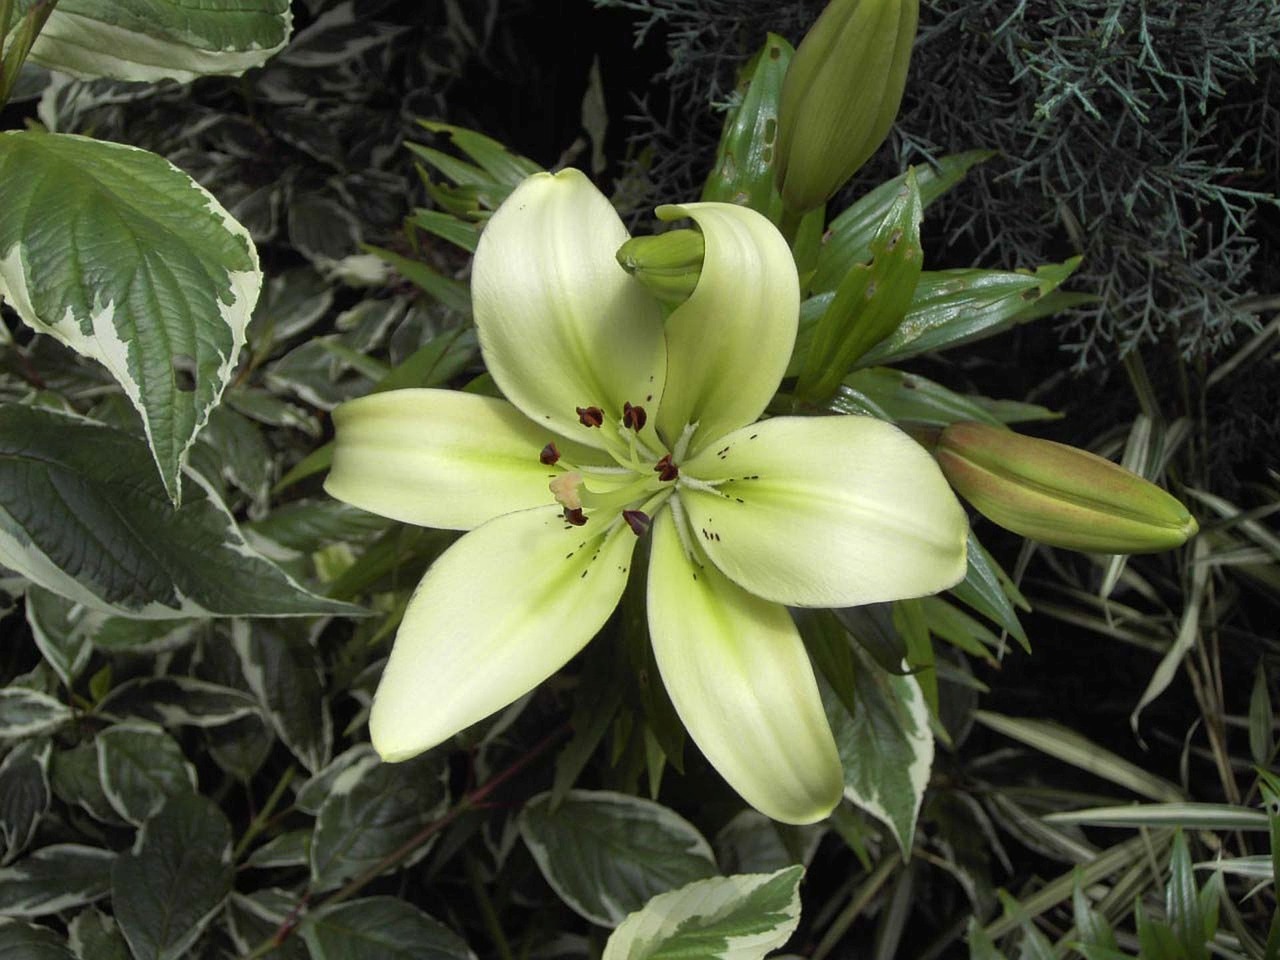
(911, 696)
(105, 344)
(633, 809)
(701, 903)
(89, 49)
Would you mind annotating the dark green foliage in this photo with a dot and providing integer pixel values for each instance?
(1144, 136)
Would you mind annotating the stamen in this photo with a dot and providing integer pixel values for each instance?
(575, 516)
(590, 416)
(633, 418)
(549, 454)
(666, 468)
(567, 488)
(638, 521)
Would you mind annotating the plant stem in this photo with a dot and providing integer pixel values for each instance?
(883, 871)
(491, 922)
(259, 822)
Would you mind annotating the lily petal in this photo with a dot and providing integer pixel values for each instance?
(439, 458)
(500, 611)
(827, 512)
(729, 343)
(561, 324)
(740, 679)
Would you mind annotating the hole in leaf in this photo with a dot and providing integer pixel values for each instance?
(184, 372)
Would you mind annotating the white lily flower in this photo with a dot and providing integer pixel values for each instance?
(620, 424)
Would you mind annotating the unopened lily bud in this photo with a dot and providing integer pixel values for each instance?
(669, 264)
(1059, 495)
(841, 94)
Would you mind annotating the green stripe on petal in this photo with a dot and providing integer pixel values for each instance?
(500, 611)
(438, 458)
(740, 679)
(729, 343)
(827, 512)
(561, 324)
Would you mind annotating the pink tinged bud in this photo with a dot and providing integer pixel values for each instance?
(1059, 495)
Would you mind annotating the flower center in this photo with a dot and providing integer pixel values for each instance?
(630, 490)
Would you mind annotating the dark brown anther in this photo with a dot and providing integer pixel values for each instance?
(575, 516)
(590, 416)
(666, 468)
(633, 418)
(637, 520)
(549, 454)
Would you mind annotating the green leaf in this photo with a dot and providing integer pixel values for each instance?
(24, 795)
(284, 672)
(849, 235)
(20, 940)
(1261, 739)
(159, 39)
(1182, 903)
(27, 713)
(1070, 747)
(75, 780)
(380, 928)
(871, 300)
(1201, 816)
(257, 917)
(905, 396)
(169, 886)
(83, 514)
(373, 810)
(141, 766)
(1093, 926)
(292, 849)
(981, 946)
(502, 166)
(745, 159)
(725, 918)
(886, 747)
(606, 853)
(952, 307)
(127, 260)
(95, 936)
(452, 293)
(1034, 944)
(987, 589)
(460, 233)
(55, 878)
(62, 630)
(173, 701)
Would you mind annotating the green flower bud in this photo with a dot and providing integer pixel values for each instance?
(1059, 495)
(841, 94)
(669, 264)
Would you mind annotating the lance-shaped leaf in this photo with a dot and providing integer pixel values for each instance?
(83, 514)
(872, 297)
(951, 307)
(159, 39)
(849, 236)
(886, 746)
(746, 157)
(54, 879)
(127, 260)
(725, 918)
